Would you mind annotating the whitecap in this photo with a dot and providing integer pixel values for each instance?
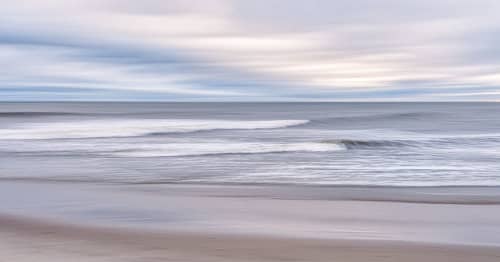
(172, 149)
(133, 127)
(200, 149)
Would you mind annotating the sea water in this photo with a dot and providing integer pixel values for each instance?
(391, 144)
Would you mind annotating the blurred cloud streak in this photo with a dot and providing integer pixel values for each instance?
(250, 50)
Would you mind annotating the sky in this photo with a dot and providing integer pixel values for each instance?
(250, 50)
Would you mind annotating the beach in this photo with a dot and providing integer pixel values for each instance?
(246, 223)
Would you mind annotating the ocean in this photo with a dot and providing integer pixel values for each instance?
(369, 144)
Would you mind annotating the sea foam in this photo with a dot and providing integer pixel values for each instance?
(172, 149)
(133, 127)
(199, 149)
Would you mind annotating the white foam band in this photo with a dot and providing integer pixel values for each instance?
(178, 149)
(133, 127)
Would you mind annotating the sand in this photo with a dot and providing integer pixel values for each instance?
(28, 240)
(69, 222)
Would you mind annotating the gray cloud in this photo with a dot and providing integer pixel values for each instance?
(251, 50)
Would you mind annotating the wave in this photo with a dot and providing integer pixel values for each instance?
(170, 149)
(206, 149)
(35, 114)
(422, 141)
(133, 127)
(353, 144)
(374, 117)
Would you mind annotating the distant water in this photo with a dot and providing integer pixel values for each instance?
(396, 144)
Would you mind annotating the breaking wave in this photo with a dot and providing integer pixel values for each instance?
(352, 144)
(170, 149)
(226, 148)
(133, 127)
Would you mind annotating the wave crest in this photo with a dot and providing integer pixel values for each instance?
(176, 149)
(134, 127)
(352, 144)
(205, 149)
(35, 114)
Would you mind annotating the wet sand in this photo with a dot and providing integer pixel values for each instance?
(134, 222)
(29, 240)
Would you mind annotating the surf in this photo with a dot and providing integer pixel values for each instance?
(134, 127)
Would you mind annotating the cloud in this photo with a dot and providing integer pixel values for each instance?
(251, 50)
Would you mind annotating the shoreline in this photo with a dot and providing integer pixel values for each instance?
(53, 222)
(446, 194)
(467, 216)
(260, 184)
(24, 239)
